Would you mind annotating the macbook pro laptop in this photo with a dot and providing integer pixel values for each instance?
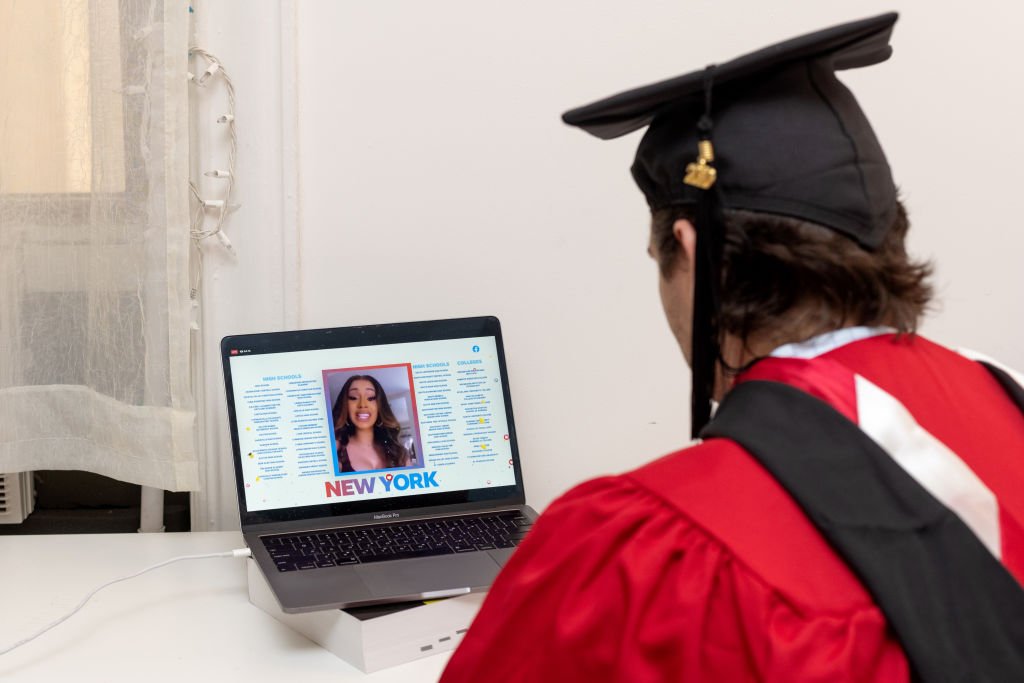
(377, 463)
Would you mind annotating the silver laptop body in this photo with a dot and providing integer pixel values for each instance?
(313, 509)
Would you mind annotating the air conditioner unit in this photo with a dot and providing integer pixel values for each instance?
(17, 497)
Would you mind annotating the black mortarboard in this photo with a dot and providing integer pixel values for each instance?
(771, 131)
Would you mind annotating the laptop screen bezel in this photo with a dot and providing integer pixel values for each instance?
(371, 335)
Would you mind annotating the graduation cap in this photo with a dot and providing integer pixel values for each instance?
(772, 131)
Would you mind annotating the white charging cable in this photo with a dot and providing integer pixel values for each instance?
(240, 552)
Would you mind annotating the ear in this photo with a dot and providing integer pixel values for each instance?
(686, 236)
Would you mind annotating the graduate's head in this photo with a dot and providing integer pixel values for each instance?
(785, 280)
(768, 160)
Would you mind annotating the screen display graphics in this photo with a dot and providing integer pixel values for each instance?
(363, 423)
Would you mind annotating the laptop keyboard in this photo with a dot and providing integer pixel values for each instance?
(401, 540)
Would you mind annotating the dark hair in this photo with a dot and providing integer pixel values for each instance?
(786, 279)
(385, 432)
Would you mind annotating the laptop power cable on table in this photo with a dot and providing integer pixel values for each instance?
(239, 552)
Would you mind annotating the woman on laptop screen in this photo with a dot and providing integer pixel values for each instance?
(366, 429)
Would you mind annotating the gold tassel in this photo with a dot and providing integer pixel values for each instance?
(701, 173)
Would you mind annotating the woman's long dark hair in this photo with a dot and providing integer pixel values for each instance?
(385, 432)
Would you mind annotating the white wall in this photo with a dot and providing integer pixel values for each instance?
(257, 290)
(434, 179)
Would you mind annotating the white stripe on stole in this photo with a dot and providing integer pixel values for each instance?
(930, 462)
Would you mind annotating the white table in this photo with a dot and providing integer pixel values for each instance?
(188, 621)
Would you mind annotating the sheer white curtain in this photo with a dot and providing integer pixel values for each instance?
(95, 307)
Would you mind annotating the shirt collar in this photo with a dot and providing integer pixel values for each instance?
(829, 341)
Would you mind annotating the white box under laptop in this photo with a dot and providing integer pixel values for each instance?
(372, 643)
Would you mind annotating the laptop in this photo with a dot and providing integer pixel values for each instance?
(375, 464)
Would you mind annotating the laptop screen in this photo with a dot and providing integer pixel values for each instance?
(328, 422)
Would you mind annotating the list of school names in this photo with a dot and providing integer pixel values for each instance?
(286, 429)
(461, 411)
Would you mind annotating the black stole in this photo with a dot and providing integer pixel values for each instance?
(956, 610)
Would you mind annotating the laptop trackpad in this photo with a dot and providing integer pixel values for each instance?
(424, 574)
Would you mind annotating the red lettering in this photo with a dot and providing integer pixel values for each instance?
(346, 487)
(333, 488)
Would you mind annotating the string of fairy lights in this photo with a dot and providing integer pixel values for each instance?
(209, 211)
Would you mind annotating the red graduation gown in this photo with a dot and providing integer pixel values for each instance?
(700, 567)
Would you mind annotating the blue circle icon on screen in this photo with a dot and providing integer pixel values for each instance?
(476, 349)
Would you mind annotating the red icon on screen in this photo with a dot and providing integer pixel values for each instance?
(234, 352)
(506, 437)
(389, 477)
(510, 461)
